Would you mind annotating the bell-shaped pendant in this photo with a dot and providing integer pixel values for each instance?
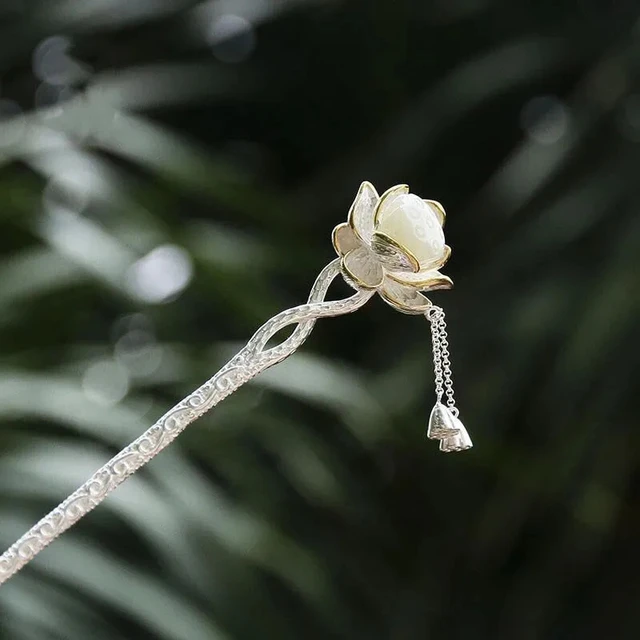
(461, 441)
(441, 423)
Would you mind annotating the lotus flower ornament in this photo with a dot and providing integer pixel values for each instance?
(394, 244)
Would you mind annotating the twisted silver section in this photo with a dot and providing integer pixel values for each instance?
(249, 362)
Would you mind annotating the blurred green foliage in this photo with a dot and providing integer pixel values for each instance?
(169, 177)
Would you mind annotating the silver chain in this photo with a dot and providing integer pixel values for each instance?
(437, 354)
(441, 361)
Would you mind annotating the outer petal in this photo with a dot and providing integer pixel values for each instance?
(344, 239)
(393, 255)
(422, 281)
(403, 298)
(387, 196)
(440, 262)
(361, 267)
(362, 211)
(438, 209)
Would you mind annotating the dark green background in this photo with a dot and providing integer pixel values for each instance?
(309, 505)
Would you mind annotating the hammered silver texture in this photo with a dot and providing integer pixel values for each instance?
(393, 257)
(254, 358)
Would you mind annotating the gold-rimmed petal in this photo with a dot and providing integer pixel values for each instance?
(403, 298)
(445, 257)
(363, 210)
(392, 254)
(422, 281)
(440, 262)
(387, 196)
(438, 209)
(361, 267)
(344, 239)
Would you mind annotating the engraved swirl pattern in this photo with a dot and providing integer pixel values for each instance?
(249, 362)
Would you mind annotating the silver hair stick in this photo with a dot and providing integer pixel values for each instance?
(253, 359)
(392, 244)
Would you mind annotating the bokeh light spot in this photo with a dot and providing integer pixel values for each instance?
(232, 38)
(132, 322)
(545, 119)
(161, 275)
(52, 63)
(137, 350)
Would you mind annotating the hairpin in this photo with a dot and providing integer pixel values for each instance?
(392, 245)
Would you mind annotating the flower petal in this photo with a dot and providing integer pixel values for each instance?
(422, 281)
(438, 209)
(362, 211)
(439, 262)
(403, 298)
(445, 257)
(393, 255)
(344, 239)
(387, 197)
(361, 267)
